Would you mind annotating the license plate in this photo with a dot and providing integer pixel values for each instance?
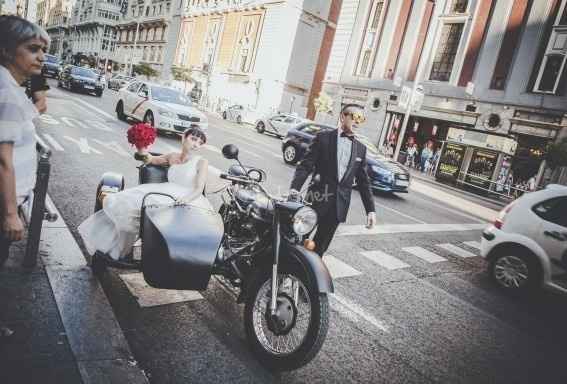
(402, 183)
(89, 87)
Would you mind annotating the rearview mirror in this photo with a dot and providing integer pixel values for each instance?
(230, 151)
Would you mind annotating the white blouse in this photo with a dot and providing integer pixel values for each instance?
(17, 113)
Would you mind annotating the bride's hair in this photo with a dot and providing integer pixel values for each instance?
(194, 130)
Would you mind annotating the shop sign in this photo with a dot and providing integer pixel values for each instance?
(450, 162)
(356, 94)
(483, 140)
(533, 131)
(481, 168)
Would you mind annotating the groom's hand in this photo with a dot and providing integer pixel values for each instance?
(371, 220)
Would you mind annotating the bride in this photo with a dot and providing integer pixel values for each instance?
(114, 229)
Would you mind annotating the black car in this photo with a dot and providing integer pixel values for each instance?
(51, 66)
(385, 174)
(80, 79)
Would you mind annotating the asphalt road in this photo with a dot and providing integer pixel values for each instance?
(408, 308)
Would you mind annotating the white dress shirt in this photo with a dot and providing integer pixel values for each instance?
(344, 150)
(16, 126)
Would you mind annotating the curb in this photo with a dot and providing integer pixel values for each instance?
(97, 342)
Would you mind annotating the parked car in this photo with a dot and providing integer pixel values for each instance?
(165, 108)
(234, 113)
(526, 246)
(51, 66)
(385, 174)
(118, 81)
(277, 124)
(80, 79)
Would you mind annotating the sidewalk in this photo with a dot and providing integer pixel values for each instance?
(64, 328)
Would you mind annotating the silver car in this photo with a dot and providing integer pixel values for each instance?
(119, 81)
(278, 124)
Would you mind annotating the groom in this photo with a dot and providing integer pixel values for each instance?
(339, 158)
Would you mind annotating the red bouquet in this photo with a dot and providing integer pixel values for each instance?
(141, 136)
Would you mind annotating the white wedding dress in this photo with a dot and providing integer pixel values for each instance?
(114, 229)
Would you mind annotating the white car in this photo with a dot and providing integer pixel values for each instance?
(526, 247)
(164, 108)
(278, 124)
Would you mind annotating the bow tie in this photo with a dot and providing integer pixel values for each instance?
(350, 137)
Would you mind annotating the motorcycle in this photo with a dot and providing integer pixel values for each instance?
(257, 244)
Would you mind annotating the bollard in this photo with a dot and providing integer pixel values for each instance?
(38, 209)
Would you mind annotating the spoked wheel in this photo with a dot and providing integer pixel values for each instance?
(120, 111)
(515, 271)
(292, 337)
(290, 154)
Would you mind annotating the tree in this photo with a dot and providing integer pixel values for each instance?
(324, 103)
(182, 74)
(557, 154)
(144, 70)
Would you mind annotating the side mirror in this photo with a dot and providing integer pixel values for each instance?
(230, 151)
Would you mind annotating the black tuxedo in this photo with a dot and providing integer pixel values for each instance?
(331, 197)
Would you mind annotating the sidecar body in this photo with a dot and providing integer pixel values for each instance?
(179, 246)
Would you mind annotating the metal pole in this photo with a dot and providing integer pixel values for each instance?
(134, 47)
(419, 73)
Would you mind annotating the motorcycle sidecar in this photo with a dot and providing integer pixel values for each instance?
(179, 246)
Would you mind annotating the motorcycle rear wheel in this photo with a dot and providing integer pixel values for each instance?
(273, 350)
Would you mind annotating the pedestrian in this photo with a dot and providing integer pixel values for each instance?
(412, 151)
(339, 159)
(22, 45)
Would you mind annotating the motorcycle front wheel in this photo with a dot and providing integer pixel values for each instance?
(295, 335)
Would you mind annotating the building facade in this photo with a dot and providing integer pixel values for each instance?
(491, 83)
(54, 17)
(92, 30)
(147, 34)
(265, 55)
(23, 8)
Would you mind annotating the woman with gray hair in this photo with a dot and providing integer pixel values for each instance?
(22, 46)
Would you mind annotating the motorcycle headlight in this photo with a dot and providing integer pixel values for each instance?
(304, 220)
(166, 113)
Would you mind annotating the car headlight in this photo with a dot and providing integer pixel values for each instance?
(167, 114)
(304, 220)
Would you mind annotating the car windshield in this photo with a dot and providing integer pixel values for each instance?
(168, 95)
(51, 59)
(84, 72)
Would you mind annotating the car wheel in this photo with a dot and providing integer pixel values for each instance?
(98, 93)
(149, 118)
(515, 270)
(239, 119)
(260, 127)
(224, 115)
(290, 154)
(120, 111)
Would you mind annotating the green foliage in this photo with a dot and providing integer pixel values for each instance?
(557, 154)
(145, 70)
(181, 74)
(324, 103)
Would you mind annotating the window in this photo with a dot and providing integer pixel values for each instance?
(246, 43)
(147, 11)
(144, 91)
(551, 68)
(211, 42)
(459, 6)
(444, 58)
(371, 39)
(553, 210)
(133, 87)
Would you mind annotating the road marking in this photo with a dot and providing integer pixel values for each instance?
(98, 125)
(212, 148)
(338, 269)
(400, 213)
(424, 254)
(113, 146)
(53, 142)
(355, 230)
(348, 308)
(456, 250)
(151, 297)
(48, 119)
(384, 260)
(453, 211)
(83, 145)
(98, 110)
(472, 244)
(72, 122)
(39, 140)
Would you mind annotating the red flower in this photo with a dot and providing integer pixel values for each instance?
(141, 135)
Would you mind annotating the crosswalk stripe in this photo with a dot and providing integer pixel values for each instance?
(472, 244)
(40, 140)
(424, 254)
(384, 260)
(53, 142)
(339, 269)
(456, 250)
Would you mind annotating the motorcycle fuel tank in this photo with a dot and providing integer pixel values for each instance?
(179, 246)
